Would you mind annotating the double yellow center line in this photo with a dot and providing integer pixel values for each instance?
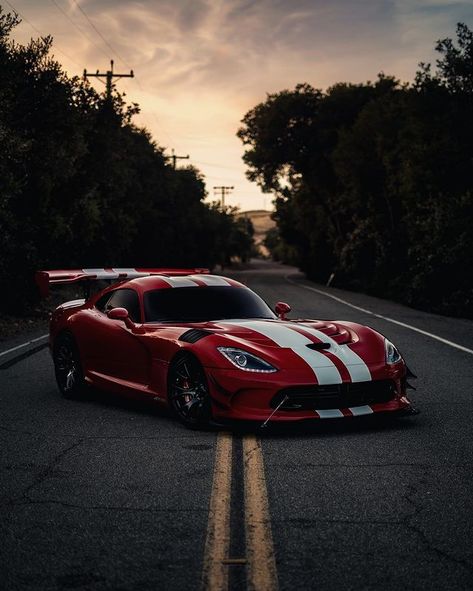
(261, 574)
(215, 571)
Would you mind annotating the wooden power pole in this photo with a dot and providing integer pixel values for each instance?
(223, 190)
(174, 158)
(109, 75)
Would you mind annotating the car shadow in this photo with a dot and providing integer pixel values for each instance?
(315, 427)
(327, 427)
(111, 400)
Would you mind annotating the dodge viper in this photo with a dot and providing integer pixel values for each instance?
(212, 350)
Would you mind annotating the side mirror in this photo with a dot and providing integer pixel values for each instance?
(282, 309)
(118, 314)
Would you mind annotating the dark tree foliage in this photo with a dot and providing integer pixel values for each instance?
(81, 186)
(374, 182)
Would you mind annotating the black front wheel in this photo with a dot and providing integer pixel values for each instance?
(188, 392)
(67, 367)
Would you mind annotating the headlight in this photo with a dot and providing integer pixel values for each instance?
(392, 354)
(246, 361)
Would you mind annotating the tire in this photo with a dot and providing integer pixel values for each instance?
(68, 368)
(188, 392)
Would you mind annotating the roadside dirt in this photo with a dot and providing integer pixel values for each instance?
(36, 318)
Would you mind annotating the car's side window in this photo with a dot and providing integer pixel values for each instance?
(101, 303)
(128, 299)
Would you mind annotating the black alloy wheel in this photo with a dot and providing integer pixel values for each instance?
(67, 367)
(188, 392)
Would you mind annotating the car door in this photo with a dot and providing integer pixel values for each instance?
(120, 354)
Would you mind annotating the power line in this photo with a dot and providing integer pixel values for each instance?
(110, 47)
(100, 34)
(161, 128)
(79, 29)
(71, 59)
(217, 165)
(109, 75)
(220, 179)
(137, 79)
(23, 18)
(157, 122)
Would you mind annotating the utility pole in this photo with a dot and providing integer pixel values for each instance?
(174, 158)
(223, 190)
(109, 75)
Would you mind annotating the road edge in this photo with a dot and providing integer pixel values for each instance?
(15, 354)
(381, 316)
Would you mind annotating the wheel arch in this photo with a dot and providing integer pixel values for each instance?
(66, 331)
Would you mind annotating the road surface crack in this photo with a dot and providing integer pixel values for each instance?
(403, 523)
(47, 472)
(411, 495)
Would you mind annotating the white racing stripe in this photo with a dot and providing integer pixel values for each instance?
(101, 273)
(115, 273)
(190, 281)
(213, 280)
(123, 270)
(403, 324)
(357, 368)
(330, 413)
(179, 281)
(325, 374)
(324, 369)
(358, 411)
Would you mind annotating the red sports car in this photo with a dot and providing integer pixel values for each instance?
(212, 350)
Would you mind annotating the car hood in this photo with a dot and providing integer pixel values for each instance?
(265, 331)
(313, 340)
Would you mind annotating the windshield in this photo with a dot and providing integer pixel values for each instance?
(198, 304)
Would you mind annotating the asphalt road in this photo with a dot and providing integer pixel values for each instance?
(105, 494)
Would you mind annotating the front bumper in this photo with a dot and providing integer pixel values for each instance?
(253, 397)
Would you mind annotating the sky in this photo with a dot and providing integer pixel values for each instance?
(201, 65)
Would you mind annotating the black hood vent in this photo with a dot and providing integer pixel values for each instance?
(318, 346)
(193, 335)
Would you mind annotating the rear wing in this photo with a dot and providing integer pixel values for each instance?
(45, 279)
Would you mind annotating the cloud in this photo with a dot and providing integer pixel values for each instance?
(201, 64)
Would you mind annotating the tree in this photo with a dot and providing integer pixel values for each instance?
(455, 67)
(373, 182)
(81, 186)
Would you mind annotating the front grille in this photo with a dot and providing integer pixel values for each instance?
(335, 395)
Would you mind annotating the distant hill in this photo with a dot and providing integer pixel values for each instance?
(262, 222)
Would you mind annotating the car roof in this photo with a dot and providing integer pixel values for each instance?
(154, 282)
